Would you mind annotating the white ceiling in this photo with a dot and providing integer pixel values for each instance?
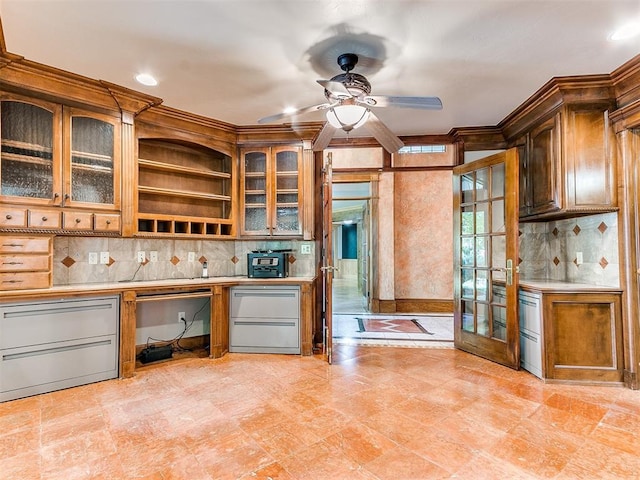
(240, 60)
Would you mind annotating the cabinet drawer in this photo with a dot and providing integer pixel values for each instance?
(11, 244)
(107, 222)
(531, 352)
(530, 312)
(38, 323)
(18, 263)
(44, 219)
(265, 303)
(13, 217)
(25, 280)
(77, 221)
(35, 369)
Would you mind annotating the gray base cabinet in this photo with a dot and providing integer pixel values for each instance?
(530, 332)
(47, 346)
(265, 319)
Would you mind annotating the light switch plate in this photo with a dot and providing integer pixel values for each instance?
(141, 257)
(305, 249)
(191, 256)
(104, 258)
(153, 256)
(579, 258)
(93, 258)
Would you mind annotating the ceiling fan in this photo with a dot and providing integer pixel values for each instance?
(349, 105)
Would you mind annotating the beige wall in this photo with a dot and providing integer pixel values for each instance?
(423, 235)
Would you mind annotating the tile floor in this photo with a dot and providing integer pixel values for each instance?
(376, 413)
(348, 305)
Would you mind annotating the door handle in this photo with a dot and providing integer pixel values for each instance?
(509, 271)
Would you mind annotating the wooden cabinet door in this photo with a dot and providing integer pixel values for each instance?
(286, 209)
(543, 168)
(92, 160)
(271, 191)
(30, 156)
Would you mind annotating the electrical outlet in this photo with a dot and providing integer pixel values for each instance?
(579, 258)
(305, 249)
(191, 256)
(153, 256)
(182, 317)
(141, 257)
(104, 258)
(93, 258)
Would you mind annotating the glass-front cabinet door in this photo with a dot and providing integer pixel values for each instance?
(58, 156)
(30, 167)
(92, 167)
(271, 191)
(287, 194)
(254, 191)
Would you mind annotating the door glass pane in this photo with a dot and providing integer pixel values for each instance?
(468, 285)
(467, 317)
(497, 181)
(499, 322)
(482, 184)
(92, 146)
(467, 187)
(287, 161)
(482, 282)
(467, 220)
(26, 156)
(255, 219)
(497, 216)
(255, 162)
(287, 218)
(483, 319)
(498, 257)
(482, 250)
(482, 218)
(467, 255)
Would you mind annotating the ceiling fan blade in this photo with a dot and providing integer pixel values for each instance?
(383, 135)
(336, 88)
(428, 103)
(324, 137)
(299, 111)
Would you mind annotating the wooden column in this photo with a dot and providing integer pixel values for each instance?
(307, 302)
(127, 334)
(219, 341)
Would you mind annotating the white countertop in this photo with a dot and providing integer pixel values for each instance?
(163, 284)
(545, 285)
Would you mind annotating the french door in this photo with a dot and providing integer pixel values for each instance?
(327, 258)
(486, 258)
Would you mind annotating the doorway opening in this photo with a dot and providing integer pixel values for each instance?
(351, 241)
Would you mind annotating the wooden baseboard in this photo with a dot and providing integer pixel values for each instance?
(412, 305)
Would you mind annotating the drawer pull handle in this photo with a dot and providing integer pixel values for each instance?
(78, 220)
(108, 222)
(44, 219)
(12, 281)
(12, 263)
(11, 244)
(9, 217)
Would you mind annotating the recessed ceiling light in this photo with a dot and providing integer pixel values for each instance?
(146, 79)
(626, 31)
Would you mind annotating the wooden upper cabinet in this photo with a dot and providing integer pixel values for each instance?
(271, 191)
(56, 162)
(567, 165)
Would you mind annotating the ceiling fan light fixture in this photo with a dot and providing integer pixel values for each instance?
(347, 117)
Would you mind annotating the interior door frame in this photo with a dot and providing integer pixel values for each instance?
(505, 352)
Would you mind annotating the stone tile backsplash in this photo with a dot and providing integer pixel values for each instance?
(549, 250)
(224, 258)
